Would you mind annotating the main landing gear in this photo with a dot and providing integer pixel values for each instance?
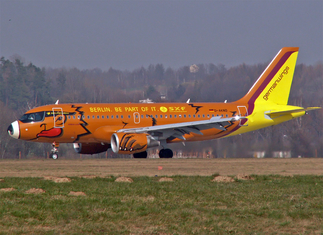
(54, 151)
(165, 153)
(140, 155)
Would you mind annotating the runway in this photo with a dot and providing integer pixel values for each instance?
(160, 167)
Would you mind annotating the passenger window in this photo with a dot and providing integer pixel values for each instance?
(128, 116)
(165, 116)
(117, 116)
(170, 116)
(83, 117)
(227, 115)
(102, 117)
(107, 116)
(122, 116)
(184, 115)
(73, 116)
(69, 117)
(199, 115)
(208, 115)
(194, 116)
(111, 116)
(78, 117)
(179, 116)
(142, 116)
(156, 116)
(203, 115)
(189, 115)
(175, 116)
(161, 116)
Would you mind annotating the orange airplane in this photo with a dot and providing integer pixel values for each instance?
(132, 128)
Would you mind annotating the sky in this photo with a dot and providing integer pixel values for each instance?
(129, 34)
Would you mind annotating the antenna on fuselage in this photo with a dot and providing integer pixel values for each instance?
(57, 101)
(188, 101)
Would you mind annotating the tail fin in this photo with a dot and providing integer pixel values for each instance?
(273, 85)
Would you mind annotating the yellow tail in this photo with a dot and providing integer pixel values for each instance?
(273, 85)
(267, 99)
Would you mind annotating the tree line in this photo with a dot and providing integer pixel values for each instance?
(24, 86)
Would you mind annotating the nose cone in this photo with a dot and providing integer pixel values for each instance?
(13, 130)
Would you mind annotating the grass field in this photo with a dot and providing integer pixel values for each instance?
(285, 197)
(189, 205)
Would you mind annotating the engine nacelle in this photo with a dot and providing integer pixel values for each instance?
(130, 143)
(91, 148)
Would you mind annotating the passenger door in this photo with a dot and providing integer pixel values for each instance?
(58, 117)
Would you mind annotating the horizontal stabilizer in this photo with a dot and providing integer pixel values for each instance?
(274, 114)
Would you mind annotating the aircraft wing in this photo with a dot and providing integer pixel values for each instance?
(178, 130)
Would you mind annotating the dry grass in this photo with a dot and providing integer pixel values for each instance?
(244, 177)
(149, 167)
(88, 176)
(165, 179)
(223, 179)
(58, 179)
(35, 191)
(7, 189)
(124, 179)
(77, 193)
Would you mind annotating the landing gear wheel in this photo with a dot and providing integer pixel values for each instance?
(54, 156)
(140, 155)
(54, 151)
(162, 153)
(165, 153)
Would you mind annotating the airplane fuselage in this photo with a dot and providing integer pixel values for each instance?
(71, 123)
(81, 123)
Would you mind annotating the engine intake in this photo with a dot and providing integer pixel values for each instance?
(130, 143)
(91, 148)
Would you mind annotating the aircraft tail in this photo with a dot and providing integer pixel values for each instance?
(273, 85)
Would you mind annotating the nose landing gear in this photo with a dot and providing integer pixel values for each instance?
(54, 151)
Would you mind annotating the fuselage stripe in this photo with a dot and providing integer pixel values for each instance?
(281, 62)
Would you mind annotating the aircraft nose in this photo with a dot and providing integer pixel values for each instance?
(13, 130)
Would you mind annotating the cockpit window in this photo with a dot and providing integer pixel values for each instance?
(32, 117)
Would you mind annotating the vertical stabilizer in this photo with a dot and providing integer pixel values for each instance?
(273, 85)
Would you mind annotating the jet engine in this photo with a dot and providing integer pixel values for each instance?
(130, 143)
(90, 148)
